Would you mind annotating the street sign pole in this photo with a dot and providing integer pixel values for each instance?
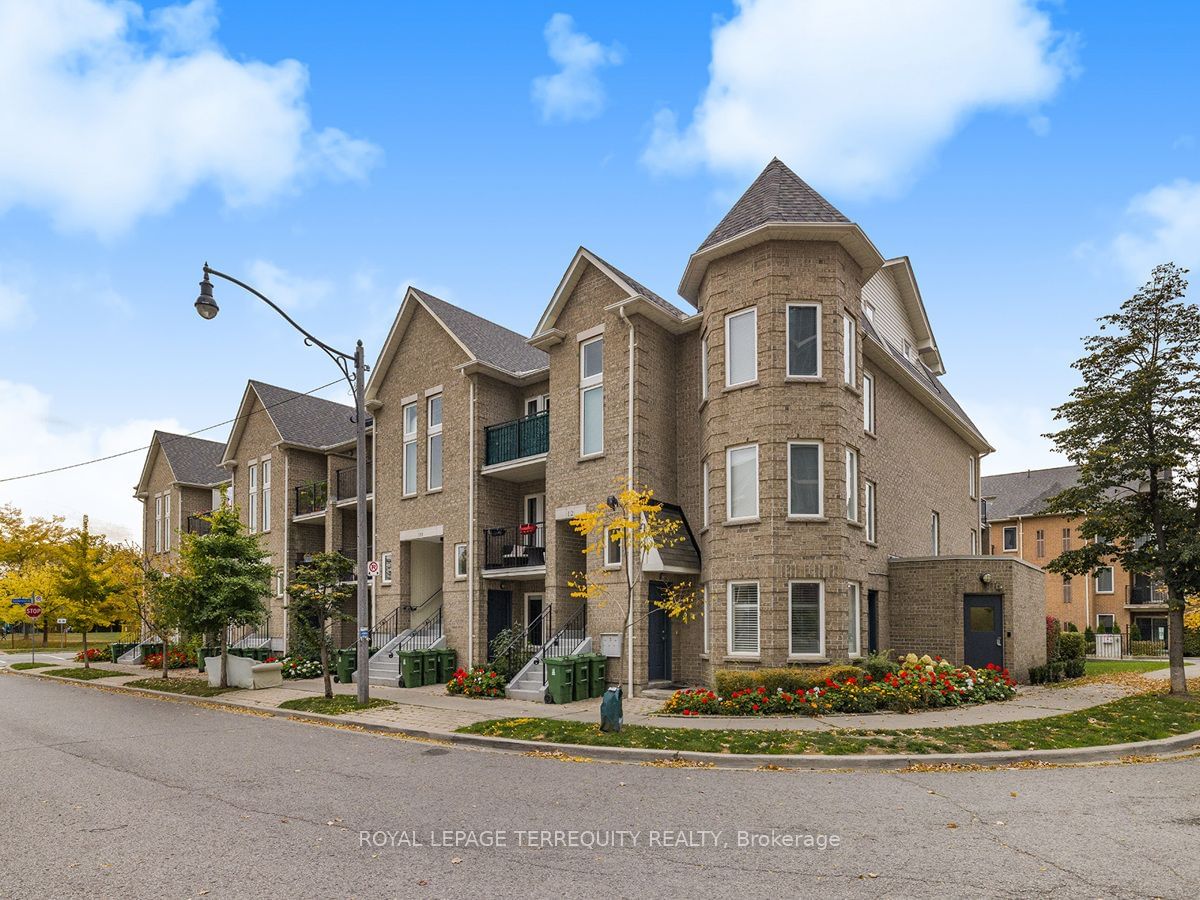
(33, 611)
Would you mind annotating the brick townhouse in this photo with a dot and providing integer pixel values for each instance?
(1019, 525)
(181, 480)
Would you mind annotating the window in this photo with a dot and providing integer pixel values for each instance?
(805, 480)
(743, 618)
(935, 534)
(849, 340)
(1066, 543)
(1039, 543)
(868, 390)
(410, 449)
(1105, 621)
(704, 368)
(851, 484)
(167, 522)
(158, 524)
(1066, 595)
(253, 502)
(279, 583)
(806, 603)
(266, 495)
(974, 543)
(803, 340)
(385, 568)
(612, 548)
(1010, 538)
(704, 494)
(971, 477)
(591, 397)
(854, 639)
(538, 404)
(741, 347)
(1104, 580)
(433, 430)
(741, 482)
(704, 602)
(460, 560)
(869, 503)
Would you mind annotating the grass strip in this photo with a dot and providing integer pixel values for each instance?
(193, 687)
(337, 705)
(82, 674)
(1108, 666)
(25, 666)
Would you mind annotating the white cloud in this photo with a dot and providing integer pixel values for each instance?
(575, 91)
(112, 115)
(35, 439)
(856, 94)
(1016, 432)
(1164, 226)
(289, 290)
(14, 306)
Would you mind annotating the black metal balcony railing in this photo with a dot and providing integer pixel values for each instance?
(1146, 593)
(312, 498)
(199, 524)
(514, 546)
(528, 436)
(346, 482)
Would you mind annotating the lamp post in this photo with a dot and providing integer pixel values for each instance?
(207, 307)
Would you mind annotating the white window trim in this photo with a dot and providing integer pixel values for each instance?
(704, 613)
(1112, 616)
(787, 356)
(704, 495)
(704, 368)
(729, 516)
(729, 620)
(265, 491)
(609, 562)
(587, 384)
(871, 510)
(820, 654)
(853, 494)
(751, 311)
(252, 497)
(972, 465)
(280, 588)
(385, 568)
(432, 431)
(849, 350)
(541, 403)
(158, 523)
(1113, 580)
(974, 543)
(820, 513)
(854, 619)
(935, 532)
(167, 522)
(409, 437)
(868, 399)
(466, 560)
(1003, 532)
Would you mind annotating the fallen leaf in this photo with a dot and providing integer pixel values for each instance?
(951, 824)
(1012, 793)
(455, 861)
(422, 882)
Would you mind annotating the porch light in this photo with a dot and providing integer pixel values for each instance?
(205, 304)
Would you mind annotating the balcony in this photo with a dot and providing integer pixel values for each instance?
(1144, 592)
(346, 483)
(311, 499)
(515, 551)
(516, 450)
(199, 524)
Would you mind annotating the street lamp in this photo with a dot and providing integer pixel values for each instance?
(207, 307)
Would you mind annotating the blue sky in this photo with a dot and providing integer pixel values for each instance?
(1034, 160)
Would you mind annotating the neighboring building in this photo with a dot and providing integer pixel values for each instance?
(1018, 525)
(795, 423)
(182, 479)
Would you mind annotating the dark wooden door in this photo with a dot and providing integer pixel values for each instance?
(872, 621)
(499, 615)
(983, 627)
(659, 636)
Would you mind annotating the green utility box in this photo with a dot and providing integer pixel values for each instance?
(583, 677)
(411, 675)
(345, 665)
(447, 663)
(429, 666)
(560, 679)
(599, 672)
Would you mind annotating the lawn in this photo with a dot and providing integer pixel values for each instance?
(82, 674)
(21, 667)
(193, 687)
(72, 640)
(335, 706)
(1105, 666)
(1141, 717)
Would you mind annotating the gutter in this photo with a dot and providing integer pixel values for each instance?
(470, 534)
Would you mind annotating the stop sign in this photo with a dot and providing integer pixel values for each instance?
(33, 610)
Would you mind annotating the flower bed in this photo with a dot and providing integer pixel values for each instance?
(298, 666)
(479, 682)
(94, 654)
(176, 659)
(924, 683)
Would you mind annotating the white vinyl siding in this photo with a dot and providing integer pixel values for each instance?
(869, 509)
(849, 346)
(854, 625)
(252, 503)
(743, 618)
(409, 415)
(889, 318)
(868, 398)
(266, 495)
(804, 340)
(851, 484)
(591, 397)
(741, 482)
(433, 430)
(806, 479)
(741, 347)
(806, 618)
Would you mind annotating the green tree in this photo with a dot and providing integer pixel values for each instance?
(319, 592)
(160, 606)
(88, 584)
(223, 581)
(1133, 429)
(30, 550)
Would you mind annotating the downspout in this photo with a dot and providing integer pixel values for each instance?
(471, 535)
(287, 531)
(629, 476)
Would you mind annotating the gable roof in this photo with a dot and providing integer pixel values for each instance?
(192, 460)
(777, 195)
(301, 420)
(905, 279)
(1024, 493)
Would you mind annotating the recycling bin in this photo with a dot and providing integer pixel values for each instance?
(583, 677)
(345, 665)
(599, 674)
(447, 663)
(411, 674)
(560, 679)
(429, 666)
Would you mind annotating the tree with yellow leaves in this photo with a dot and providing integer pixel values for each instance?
(90, 581)
(632, 519)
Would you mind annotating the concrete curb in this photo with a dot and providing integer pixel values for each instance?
(816, 762)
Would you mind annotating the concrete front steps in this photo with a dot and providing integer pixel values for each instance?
(384, 667)
(530, 683)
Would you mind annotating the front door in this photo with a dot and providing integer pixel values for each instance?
(499, 615)
(659, 636)
(983, 626)
(872, 621)
(533, 625)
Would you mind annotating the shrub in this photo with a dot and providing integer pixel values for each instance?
(298, 666)
(1090, 637)
(793, 679)
(879, 665)
(1052, 632)
(1074, 667)
(1071, 627)
(1191, 642)
(1071, 645)
(1147, 648)
(176, 659)
(94, 654)
(479, 682)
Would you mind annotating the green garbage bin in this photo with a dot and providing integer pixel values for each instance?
(599, 672)
(429, 666)
(410, 668)
(583, 678)
(447, 663)
(560, 679)
(345, 665)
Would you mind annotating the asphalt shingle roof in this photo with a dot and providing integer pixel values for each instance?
(304, 420)
(654, 298)
(1024, 493)
(193, 460)
(490, 343)
(777, 196)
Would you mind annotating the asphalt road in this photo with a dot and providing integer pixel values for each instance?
(106, 795)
